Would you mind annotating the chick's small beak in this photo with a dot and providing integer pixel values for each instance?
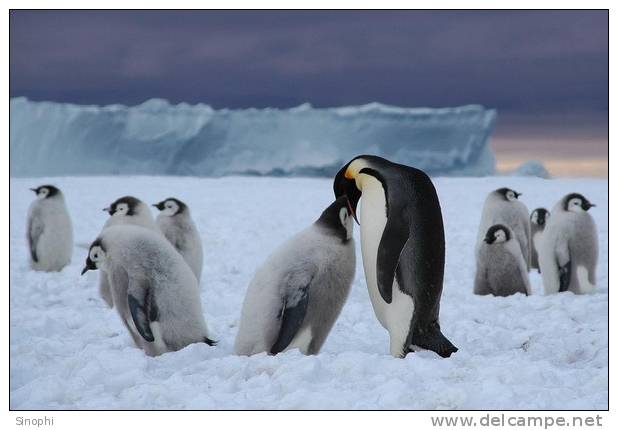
(33, 189)
(159, 205)
(89, 266)
(352, 211)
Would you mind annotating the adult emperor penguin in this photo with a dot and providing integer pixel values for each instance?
(502, 206)
(297, 294)
(569, 247)
(125, 210)
(176, 224)
(154, 290)
(538, 220)
(49, 230)
(500, 267)
(402, 242)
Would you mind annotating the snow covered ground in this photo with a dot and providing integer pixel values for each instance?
(68, 351)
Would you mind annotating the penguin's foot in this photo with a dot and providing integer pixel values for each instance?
(210, 342)
(433, 339)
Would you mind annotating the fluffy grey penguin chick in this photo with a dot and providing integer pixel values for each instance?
(130, 211)
(297, 294)
(49, 230)
(500, 267)
(154, 291)
(569, 248)
(502, 206)
(177, 226)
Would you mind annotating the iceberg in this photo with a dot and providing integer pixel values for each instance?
(159, 138)
(531, 168)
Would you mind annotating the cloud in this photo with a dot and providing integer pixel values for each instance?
(510, 60)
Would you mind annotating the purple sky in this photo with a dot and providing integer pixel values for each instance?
(509, 60)
(527, 64)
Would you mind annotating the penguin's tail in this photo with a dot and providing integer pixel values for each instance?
(431, 338)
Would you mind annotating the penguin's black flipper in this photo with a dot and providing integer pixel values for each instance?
(431, 338)
(394, 238)
(138, 312)
(393, 241)
(291, 320)
(565, 276)
(143, 310)
(294, 307)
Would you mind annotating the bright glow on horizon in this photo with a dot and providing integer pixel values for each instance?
(558, 167)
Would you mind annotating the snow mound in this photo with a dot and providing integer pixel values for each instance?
(68, 351)
(158, 138)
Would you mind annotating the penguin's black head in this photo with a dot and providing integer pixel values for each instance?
(45, 191)
(575, 202)
(171, 206)
(337, 219)
(126, 205)
(497, 234)
(96, 254)
(539, 216)
(347, 181)
(508, 194)
(345, 185)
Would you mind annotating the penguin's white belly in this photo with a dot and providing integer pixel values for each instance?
(397, 315)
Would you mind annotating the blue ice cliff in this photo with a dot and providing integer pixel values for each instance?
(158, 138)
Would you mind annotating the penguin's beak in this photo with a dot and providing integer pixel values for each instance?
(517, 194)
(160, 205)
(588, 205)
(33, 189)
(89, 266)
(345, 185)
(108, 210)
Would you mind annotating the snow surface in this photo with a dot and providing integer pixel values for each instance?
(67, 350)
(158, 138)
